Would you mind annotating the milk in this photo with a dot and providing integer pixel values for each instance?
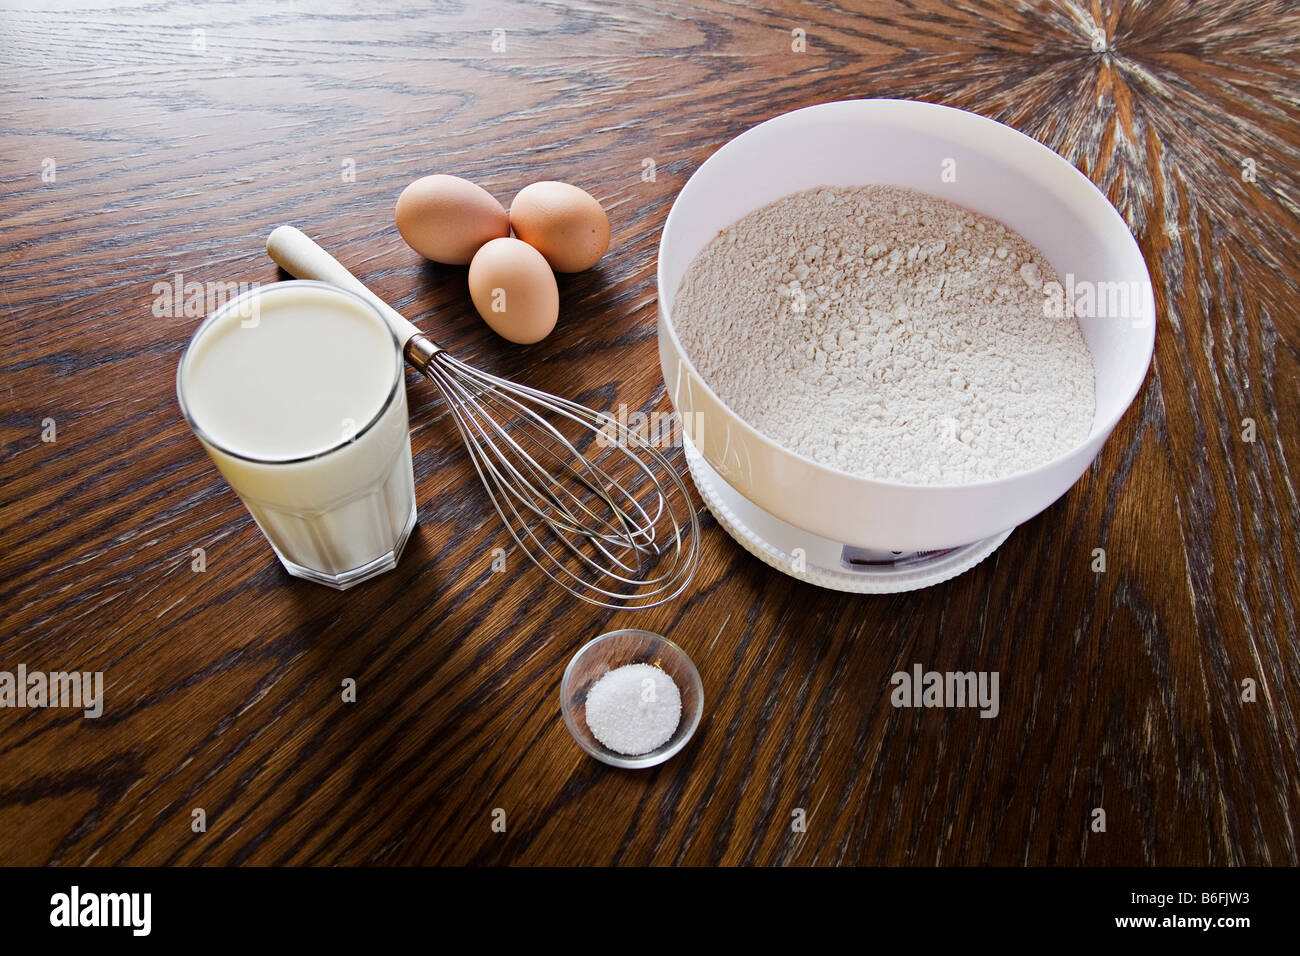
(297, 394)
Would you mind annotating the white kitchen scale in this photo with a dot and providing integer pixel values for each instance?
(821, 561)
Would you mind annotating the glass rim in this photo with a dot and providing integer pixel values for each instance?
(269, 289)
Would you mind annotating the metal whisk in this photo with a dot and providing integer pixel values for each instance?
(593, 503)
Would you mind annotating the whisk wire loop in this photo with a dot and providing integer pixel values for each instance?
(615, 528)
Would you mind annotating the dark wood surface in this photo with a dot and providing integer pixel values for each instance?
(1120, 690)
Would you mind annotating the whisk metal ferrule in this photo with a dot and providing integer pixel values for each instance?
(419, 351)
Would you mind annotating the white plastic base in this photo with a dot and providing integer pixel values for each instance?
(820, 561)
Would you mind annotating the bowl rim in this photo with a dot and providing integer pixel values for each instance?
(1049, 156)
(631, 761)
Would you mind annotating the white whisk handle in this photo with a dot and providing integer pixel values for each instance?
(298, 255)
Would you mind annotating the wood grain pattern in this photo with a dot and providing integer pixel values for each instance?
(1119, 690)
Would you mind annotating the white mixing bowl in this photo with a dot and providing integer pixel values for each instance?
(993, 170)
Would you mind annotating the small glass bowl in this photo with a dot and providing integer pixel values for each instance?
(616, 649)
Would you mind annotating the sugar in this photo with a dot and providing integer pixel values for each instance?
(889, 334)
(634, 709)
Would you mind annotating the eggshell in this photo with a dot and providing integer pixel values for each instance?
(514, 290)
(562, 222)
(447, 219)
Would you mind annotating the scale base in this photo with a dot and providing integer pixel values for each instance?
(820, 561)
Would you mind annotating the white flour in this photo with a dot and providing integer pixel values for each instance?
(888, 334)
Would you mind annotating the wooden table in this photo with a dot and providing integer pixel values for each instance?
(142, 142)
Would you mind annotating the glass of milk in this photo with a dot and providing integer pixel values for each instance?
(296, 390)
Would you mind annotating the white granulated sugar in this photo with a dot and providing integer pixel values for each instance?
(889, 334)
(634, 709)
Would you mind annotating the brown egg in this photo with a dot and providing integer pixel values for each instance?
(563, 223)
(447, 219)
(514, 290)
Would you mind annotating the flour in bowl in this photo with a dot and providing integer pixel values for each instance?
(889, 334)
